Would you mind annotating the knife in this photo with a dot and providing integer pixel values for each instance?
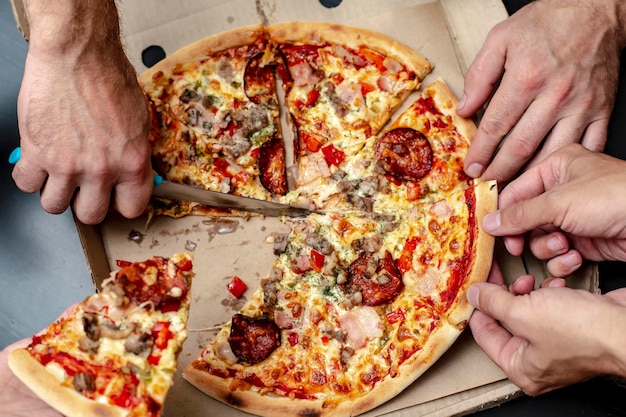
(163, 188)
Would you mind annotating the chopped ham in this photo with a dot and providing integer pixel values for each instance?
(304, 74)
(441, 209)
(351, 93)
(313, 167)
(284, 319)
(392, 65)
(361, 324)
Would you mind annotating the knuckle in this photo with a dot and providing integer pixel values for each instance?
(494, 126)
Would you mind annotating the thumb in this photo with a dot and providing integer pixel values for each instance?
(492, 299)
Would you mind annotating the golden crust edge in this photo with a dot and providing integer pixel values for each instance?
(446, 100)
(64, 399)
(316, 32)
(202, 49)
(218, 388)
(486, 201)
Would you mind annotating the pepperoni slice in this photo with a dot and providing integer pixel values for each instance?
(376, 278)
(272, 166)
(259, 82)
(404, 154)
(253, 340)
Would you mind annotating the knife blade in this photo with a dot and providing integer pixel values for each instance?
(163, 188)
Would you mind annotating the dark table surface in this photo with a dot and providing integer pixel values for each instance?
(43, 269)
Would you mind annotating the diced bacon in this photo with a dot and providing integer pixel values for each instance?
(427, 282)
(361, 324)
(303, 74)
(441, 209)
(302, 264)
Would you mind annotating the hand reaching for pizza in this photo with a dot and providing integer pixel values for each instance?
(83, 118)
(551, 337)
(17, 400)
(573, 202)
(553, 69)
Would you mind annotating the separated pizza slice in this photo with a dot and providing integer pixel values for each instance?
(418, 158)
(421, 153)
(116, 354)
(220, 92)
(441, 248)
(342, 85)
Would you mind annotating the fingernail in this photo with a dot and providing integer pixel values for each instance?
(555, 244)
(491, 222)
(474, 170)
(472, 295)
(556, 283)
(461, 103)
(571, 260)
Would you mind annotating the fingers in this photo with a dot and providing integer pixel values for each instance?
(482, 75)
(522, 285)
(27, 177)
(91, 203)
(489, 335)
(566, 264)
(131, 198)
(493, 300)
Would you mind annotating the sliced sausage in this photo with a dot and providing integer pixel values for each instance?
(404, 154)
(377, 279)
(253, 340)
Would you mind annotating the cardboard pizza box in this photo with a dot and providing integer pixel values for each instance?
(449, 33)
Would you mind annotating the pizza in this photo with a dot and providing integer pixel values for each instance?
(116, 353)
(369, 291)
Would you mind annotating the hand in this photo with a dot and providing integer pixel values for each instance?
(574, 203)
(84, 124)
(554, 68)
(16, 399)
(551, 337)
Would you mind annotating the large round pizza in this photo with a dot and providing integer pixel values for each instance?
(368, 292)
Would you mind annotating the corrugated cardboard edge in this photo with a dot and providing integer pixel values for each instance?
(19, 12)
(95, 253)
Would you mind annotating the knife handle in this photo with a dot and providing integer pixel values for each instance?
(15, 155)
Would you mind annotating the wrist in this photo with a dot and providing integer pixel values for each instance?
(615, 342)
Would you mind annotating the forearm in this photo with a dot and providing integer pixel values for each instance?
(70, 27)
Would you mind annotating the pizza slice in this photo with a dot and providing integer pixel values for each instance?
(441, 248)
(216, 115)
(421, 153)
(342, 85)
(418, 158)
(116, 354)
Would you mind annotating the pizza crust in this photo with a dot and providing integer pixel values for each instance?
(202, 49)
(270, 405)
(320, 32)
(486, 194)
(64, 399)
(446, 100)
